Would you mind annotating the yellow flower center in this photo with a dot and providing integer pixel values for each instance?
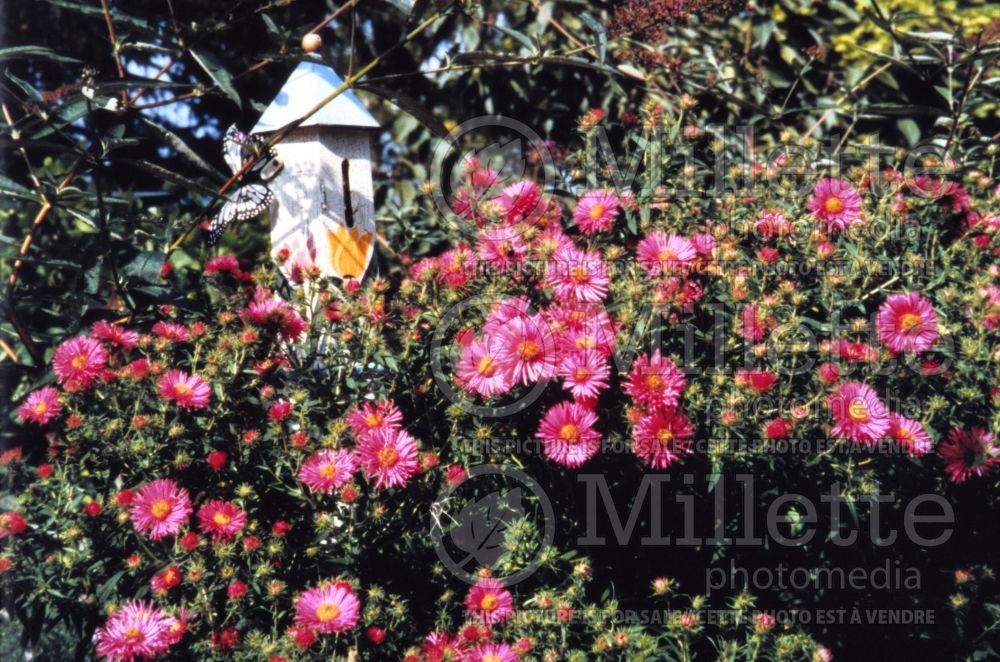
(183, 390)
(79, 361)
(133, 635)
(490, 657)
(327, 470)
(585, 342)
(504, 248)
(578, 274)
(388, 457)
(833, 205)
(597, 211)
(667, 255)
(908, 321)
(581, 373)
(665, 435)
(857, 412)
(489, 602)
(905, 435)
(40, 407)
(653, 382)
(327, 611)
(221, 519)
(570, 433)
(485, 366)
(373, 420)
(528, 350)
(160, 508)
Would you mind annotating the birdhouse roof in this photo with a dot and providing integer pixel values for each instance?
(309, 84)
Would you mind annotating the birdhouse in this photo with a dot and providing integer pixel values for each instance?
(325, 211)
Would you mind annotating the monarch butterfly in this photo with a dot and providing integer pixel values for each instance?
(253, 197)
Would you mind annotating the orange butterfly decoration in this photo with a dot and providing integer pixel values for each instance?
(348, 251)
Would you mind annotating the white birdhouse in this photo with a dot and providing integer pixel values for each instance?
(325, 209)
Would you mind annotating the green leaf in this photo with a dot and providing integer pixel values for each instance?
(218, 74)
(170, 176)
(146, 266)
(34, 53)
(910, 130)
(178, 145)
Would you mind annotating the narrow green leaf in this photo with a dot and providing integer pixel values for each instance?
(218, 73)
(34, 53)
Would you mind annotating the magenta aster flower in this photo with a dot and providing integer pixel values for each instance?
(489, 601)
(577, 275)
(443, 646)
(373, 416)
(40, 406)
(326, 470)
(909, 434)
(519, 201)
(328, 608)
(221, 520)
(478, 370)
(660, 253)
(753, 326)
(596, 211)
(269, 311)
(568, 435)
(858, 413)
(171, 331)
(662, 436)
(187, 391)
(160, 509)
(585, 373)
(835, 202)
(389, 457)
(114, 334)
(78, 363)
(907, 323)
(501, 248)
(139, 630)
(655, 381)
(969, 453)
(498, 652)
(525, 350)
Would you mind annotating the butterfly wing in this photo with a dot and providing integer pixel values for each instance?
(247, 202)
(234, 148)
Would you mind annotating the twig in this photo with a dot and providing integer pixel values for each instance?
(114, 46)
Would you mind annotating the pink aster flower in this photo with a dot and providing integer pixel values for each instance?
(585, 373)
(526, 350)
(655, 381)
(389, 457)
(835, 202)
(78, 363)
(501, 248)
(188, 391)
(504, 311)
(662, 436)
(223, 264)
(138, 630)
(160, 509)
(372, 416)
(753, 325)
(328, 608)
(596, 211)
(969, 453)
(499, 652)
(479, 371)
(442, 646)
(326, 470)
(268, 310)
(909, 434)
(221, 520)
(907, 323)
(40, 406)
(568, 435)
(520, 201)
(660, 253)
(114, 334)
(577, 275)
(489, 601)
(171, 331)
(858, 413)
